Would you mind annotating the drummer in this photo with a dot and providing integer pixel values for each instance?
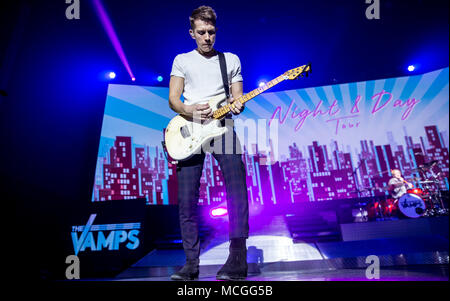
(397, 185)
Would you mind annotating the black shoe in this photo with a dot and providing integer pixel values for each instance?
(235, 268)
(189, 271)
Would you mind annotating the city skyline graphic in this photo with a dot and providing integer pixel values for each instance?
(333, 142)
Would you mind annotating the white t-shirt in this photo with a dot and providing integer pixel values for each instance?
(202, 76)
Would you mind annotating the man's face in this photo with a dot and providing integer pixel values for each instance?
(204, 35)
(397, 174)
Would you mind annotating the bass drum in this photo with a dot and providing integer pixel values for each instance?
(411, 205)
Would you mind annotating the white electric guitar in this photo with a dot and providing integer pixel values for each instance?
(184, 136)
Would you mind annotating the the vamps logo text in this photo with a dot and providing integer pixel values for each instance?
(105, 237)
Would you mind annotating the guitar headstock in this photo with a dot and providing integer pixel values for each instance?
(299, 71)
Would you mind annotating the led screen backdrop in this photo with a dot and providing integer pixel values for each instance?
(330, 141)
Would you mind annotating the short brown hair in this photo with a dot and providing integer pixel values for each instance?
(204, 13)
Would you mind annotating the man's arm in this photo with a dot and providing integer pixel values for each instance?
(393, 184)
(176, 86)
(237, 89)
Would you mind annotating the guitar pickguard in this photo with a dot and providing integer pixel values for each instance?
(184, 130)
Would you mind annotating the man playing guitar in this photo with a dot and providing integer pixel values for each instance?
(197, 75)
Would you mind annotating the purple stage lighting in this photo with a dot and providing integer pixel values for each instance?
(220, 211)
(107, 25)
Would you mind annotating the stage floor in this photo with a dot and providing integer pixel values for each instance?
(404, 273)
(409, 255)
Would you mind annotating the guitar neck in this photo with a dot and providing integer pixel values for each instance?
(221, 112)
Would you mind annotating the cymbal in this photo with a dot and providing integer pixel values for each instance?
(373, 188)
(414, 179)
(432, 163)
(427, 182)
(428, 165)
(364, 189)
(377, 188)
(418, 169)
(379, 174)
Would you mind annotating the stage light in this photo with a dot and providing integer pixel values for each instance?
(111, 75)
(160, 78)
(262, 83)
(107, 25)
(411, 68)
(273, 248)
(220, 211)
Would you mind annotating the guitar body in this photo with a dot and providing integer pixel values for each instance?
(184, 136)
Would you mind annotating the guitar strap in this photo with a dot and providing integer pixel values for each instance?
(223, 70)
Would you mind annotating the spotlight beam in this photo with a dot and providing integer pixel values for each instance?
(107, 25)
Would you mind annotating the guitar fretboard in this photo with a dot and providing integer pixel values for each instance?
(221, 112)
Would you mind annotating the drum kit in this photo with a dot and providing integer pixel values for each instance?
(423, 200)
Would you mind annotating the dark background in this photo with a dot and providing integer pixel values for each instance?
(52, 70)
